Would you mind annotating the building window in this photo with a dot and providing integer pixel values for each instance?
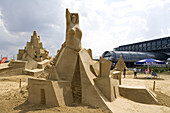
(164, 43)
(140, 47)
(149, 46)
(168, 42)
(159, 44)
(144, 46)
(133, 47)
(154, 45)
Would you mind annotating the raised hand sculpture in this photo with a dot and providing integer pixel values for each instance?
(73, 32)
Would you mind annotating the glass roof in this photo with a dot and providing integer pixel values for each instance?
(132, 56)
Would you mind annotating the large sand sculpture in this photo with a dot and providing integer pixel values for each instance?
(72, 75)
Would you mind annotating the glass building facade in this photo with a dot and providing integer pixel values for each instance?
(157, 45)
(131, 57)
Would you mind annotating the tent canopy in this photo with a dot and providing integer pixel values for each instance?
(149, 61)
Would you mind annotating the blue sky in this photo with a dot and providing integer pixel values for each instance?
(105, 24)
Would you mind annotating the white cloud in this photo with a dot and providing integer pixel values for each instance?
(105, 24)
(53, 26)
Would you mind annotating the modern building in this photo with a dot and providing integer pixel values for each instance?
(156, 49)
(157, 45)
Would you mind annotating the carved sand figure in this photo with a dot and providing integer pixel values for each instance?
(73, 32)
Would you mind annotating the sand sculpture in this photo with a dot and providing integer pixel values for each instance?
(117, 71)
(34, 53)
(120, 65)
(34, 50)
(72, 75)
(30, 60)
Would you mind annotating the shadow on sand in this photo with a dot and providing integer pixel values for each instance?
(163, 99)
(153, 78)
(26, 107)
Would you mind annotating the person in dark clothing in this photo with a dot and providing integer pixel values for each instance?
(124, 72)
(135, 72)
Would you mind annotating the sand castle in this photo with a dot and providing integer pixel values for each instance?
(30, 60)
(73, 77)
(34, 50)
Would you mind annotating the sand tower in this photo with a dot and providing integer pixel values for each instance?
(33, 50)
(31, 60)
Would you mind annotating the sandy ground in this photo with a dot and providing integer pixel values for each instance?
(14, 99)
(162, 82)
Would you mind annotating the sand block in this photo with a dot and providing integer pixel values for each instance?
(109, 87)
(66, 64)
(89, 94)
(105, 86)
(41, 65)
(17, 64)
(31, 63)
(50, 93)
(95, 68)
(115, 86)
(53, 75)
(33, 72)
(4, 65)
(90, 53)
(116, 75)
(14, 67)
(105, 66)
(138, 94)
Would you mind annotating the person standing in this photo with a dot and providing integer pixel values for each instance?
(146, 71)
(151, 72)
(135, 72)
(124, 72)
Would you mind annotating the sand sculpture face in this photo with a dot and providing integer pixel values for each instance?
(74, 19)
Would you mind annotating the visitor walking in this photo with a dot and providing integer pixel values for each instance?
(124, 72)
(135, 72)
